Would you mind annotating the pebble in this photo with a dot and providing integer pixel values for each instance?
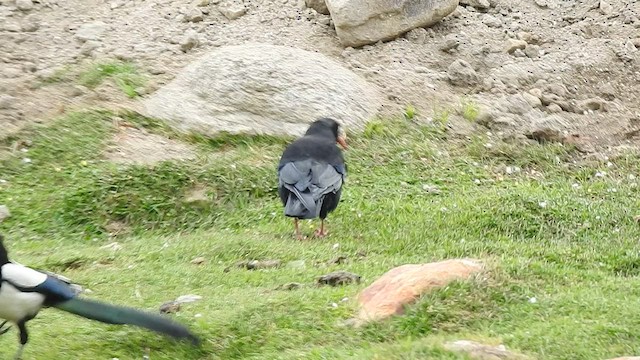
(24, 5)
(532, 51)
(514, 44)
(29, 25)
(233, 10)
(4, 213)
(461, 73)
(189, 41)
(491, 21)
(91, 31)
(7, 101)
(451, 43)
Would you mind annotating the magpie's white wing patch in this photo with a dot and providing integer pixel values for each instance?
(22, 276)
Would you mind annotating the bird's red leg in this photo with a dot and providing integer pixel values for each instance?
(298, 234)
(321, 232)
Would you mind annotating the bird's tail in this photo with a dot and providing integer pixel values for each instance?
(301, 204)
(118, 315)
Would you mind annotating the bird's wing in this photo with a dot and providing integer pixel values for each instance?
(28, 280)
(77, 288)
(325, 179)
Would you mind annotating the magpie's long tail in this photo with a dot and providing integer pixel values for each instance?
(118, 315)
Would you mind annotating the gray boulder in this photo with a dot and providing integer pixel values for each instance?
(263, 89)
(362, 22)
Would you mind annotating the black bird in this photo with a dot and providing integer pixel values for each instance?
(311, 173)
(25, 291)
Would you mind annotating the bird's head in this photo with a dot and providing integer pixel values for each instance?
(4, 257)
(329, 127)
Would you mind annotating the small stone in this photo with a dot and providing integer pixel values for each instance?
(7, 101)
(194, 15)
(88, 48)
(24, 5)
(338, 260)
(183, 299)
(170, 307)
(124, 55)
(519, 53)
(451, 43)
(432, 189)
(418, 35)
(114, 246)
(29, 25)
(324, 20)
(233, 10)
(478, 4)
(4, 213)
(189, 41)
(605, 7)
(542, 3)
(554, 108)
(318, 5)
(532, 51)
(461, 73)
(12, 26)
(491, 21)
(339, 278)
(513, 45)
(78, 90)
(533, 100)
(259, 264)
(593, 104)
(289, 286)
(199, 260)
(91, 31)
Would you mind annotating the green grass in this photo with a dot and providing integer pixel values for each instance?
(125, 76)
(554, 231)
(469, 110)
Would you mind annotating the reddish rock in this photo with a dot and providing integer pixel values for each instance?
(404, 284)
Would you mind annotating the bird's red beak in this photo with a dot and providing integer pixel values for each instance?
(342, 139)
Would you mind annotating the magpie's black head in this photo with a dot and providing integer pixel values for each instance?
(4, 257)
(330, 128)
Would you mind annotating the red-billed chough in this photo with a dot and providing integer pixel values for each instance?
(311, 173)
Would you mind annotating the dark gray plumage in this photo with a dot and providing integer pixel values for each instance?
(311, 173)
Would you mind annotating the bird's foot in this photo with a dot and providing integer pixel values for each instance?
(4, 328)
(320, 233)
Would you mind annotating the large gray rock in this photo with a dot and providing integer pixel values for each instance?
(260, 88)
(361, 22)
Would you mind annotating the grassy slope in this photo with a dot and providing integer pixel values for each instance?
(578, 255)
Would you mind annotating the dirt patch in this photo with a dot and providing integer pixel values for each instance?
(520, 60)
(133, 146)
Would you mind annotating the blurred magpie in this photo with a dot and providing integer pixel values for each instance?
(24, 292)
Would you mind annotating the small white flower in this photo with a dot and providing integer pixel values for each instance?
(542, 204)
(533, 300)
